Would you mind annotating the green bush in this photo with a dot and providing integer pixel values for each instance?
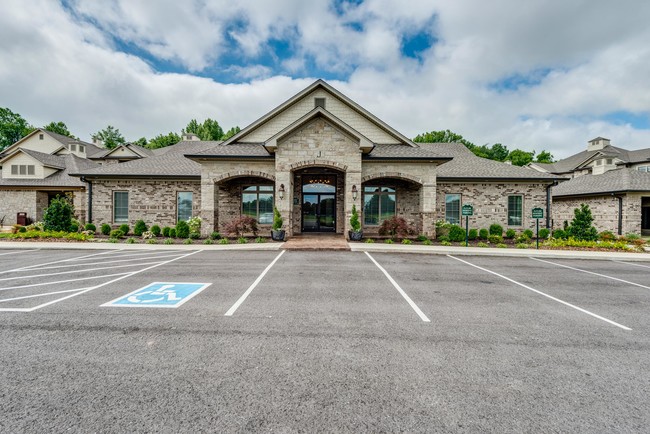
(242, 240)
(443, 238)
(187, 241)
(130, 240)
(425, 242)
(58, 215)
(496, 229)
(407, 241)
(151, 241)
(495, 239)
(194, 235)
(208, 241)
(581, 226)
(22, 229)
(607, 236)
(510, 234)
(195, 224)
(522, 238)
(632, 237)
(389, 241)
(482, 244)
(501, 246)
(155, 230)
(544, 233)
(172, 233)
(124, 228)
(522, 245)
(215, 236)
(483, 234)
(168, 241)
(165, 231)
(559, 234)
(355, 224)
(422, 238)
(473, 234)
(105, 228)
(74, 227)
(223, 241)
(90, 227)
(139, 227)
(260, 240)
(371, 241)
(116, 233)
(182, 229)
(456, 233)
(113, 240)
(445, 243)
(529, 233)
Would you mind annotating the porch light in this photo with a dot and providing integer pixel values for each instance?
(355, 192)
(281, 191)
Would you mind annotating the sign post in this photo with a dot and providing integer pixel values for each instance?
(538, 213)
(467, 211)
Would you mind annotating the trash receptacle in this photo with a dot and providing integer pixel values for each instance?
(21, 219)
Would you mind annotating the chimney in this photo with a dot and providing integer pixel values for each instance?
(98, 142)
(597, 144)
(190, 137)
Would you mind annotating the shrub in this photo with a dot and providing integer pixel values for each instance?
(496, 229)
(187, 241)
(607, 236)
(482, 244)
(529, 233)
(277, 220)
(112, 240)
(501, 246)
(442, 228)
(168, 241)
(544, 233)
(74, 228)
(456, 233)
(151, 241)
(443, 238)
(172, 233)
(115, 234)
(407, 241)
(147, 235)
(581, 226)
(389, 241)
(615, 245)
(522, 238)
(124, 228)
(395, 227)
(58, 215)
(90, 227)
(182, 229)
(242, 225)
(130, 240)
(22, 229)
(165, 231)
(559, 234)
(195, 224)
(422, 238)
(223, 241)
(483, 234)
(370, 240)
(155, 230)
(495, 239)
(427, 242)
(632, 237)
(215, 236)
(445, 243)
(510, 234)
(194, 235)
(105, 228)
(260, 240)
(242, 240)
(473, 234)
(208, 241)
(355, 224)
(139, 227)
(522, 245)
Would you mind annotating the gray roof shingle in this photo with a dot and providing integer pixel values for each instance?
(61, 178)
(243, 150)
(56, 161)
(613, 181)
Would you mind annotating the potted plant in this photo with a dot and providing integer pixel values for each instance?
(277, 234)
(355, 234)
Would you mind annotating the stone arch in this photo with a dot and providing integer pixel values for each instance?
(242, 173)
(318, 163)
(398, 175)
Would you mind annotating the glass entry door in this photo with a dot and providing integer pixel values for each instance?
(319, 203)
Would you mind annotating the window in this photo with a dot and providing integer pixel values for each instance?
(257, 202)
(120, 206)
(14, 169)
(640, 169)
(183, 205)
(599, 162)
(319, 102)
(452, 208)
(30, 169)
(515, 210)
(73, 148)
(40, 137)
(82, 148)
(609, 161)
(378, 204)
(23, 169)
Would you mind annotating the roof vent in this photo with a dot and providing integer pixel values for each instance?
(597, 144)
(319, 102)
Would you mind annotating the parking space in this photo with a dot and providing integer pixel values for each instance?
(299, 341)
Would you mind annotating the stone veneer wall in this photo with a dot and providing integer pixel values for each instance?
(490, 201)
(604, 210)
(407, 204)
(153, 201)
(34, 204)
(229, 202)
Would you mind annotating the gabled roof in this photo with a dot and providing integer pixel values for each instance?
(614, 181)
(48, 160)
(571, 163)
(639, 156)
(64, 140)
(138, 150)
(314, 86)
(401, 152)
(62, 178)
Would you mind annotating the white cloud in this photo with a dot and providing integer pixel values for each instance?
(58, 65)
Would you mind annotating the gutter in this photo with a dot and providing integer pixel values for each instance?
(89, 214)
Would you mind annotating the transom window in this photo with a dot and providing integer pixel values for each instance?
(378, 204)
(257, 202)
(515, 210)
(643, 168)
(452, 208)
(183, 205)
(120, 206)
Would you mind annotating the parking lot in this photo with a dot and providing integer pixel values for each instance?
(321, 341)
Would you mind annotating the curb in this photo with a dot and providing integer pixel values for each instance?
(28, 245)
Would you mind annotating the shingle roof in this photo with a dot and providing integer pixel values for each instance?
(405, 152)
(639, 156)
(56, 161)
(569, 164)
(61, 178)
(137, 149)
(243, 150)
(466, 165)
(613, 181)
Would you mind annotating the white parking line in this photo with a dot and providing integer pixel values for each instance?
(76, 271)
(102, 263)
(591, 272)
(414, 306)
(234, 307)
(31, 309)
(27, 267)
(62, 281)
(544, 294)
(4, 300)
(632, 263)
(18, 251)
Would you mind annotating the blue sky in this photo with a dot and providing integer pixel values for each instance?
(533, 75)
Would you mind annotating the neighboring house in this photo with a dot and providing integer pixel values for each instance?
(121, 154)
(314, 157)
(614, 182)
(36, 169)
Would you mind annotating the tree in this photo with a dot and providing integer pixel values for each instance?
(544, 157)
(141, 142)
(59, 128)
(231, 132)
(520, 158)
(208, 130)
(13, 127)
(111, 137)
(581, 226)
(445, 136)
(58, 216)
(160, 141)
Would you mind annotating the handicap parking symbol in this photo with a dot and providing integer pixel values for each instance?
(160, 294)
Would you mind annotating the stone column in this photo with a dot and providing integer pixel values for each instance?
(428, 208)
(352, 177)
(284, 205)
(209, 206)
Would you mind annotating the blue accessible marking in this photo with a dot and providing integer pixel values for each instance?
(160, 294)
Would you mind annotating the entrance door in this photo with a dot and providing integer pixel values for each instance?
(318, 212)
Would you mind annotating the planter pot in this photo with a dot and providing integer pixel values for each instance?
(355, 236)
(277, 235)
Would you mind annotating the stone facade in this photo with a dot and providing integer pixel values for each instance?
(490, 201)
(34, 203)
(153, 201)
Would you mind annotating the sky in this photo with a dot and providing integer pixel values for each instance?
(529, 74)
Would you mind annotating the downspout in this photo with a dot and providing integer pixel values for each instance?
(620, 213)
(548, 204)
(89, 214)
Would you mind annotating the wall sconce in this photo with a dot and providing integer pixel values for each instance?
(355, 192)
(281, 191)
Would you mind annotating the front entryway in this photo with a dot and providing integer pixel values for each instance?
(318, 203)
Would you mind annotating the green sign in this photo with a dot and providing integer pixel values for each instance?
(538, 213)
(468, 210)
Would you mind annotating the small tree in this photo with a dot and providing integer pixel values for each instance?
(277, 220)
(242, 225)
(395, 227)
(355, 224)
(182, 229)
(58, 216)
(139, 228)
(581, 226)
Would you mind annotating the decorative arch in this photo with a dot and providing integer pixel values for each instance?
(398, 175)
(318, 163)
(243, 173)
